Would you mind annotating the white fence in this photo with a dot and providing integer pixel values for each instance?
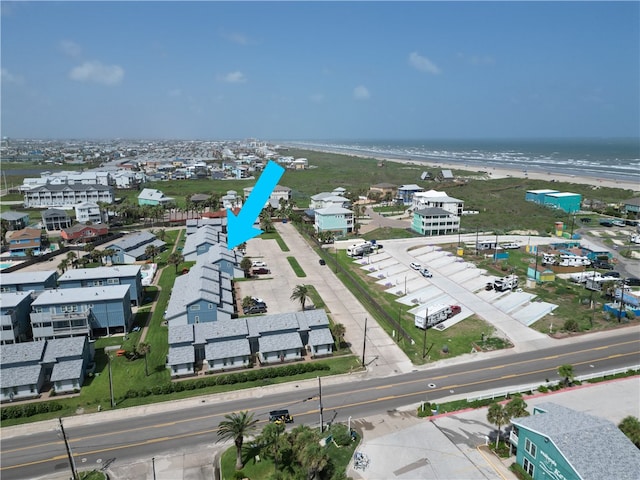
(533, 386)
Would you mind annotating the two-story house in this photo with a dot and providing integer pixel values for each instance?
(22, 241)
(222, 345)
(21, 372)
(55, 219)
(89, 212)
(561, 443)
(90, 311)
(435, 199)
(202, 295)
(201, 240)
(132, 248)
(228, 261)
(106, 276)
(80, 233)
(14, 316)
(336, 219)
(25, 281)
(151, 196)
(16, 220)
(66, 361)
(406, 192)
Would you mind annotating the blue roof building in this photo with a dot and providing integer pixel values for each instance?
(25, 281)
(105, 276)
(14, 316)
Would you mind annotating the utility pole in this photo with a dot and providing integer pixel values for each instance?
(424, 340)
(153, 466)
(72, 462)
(364, 345)
(320, 404)
(113, 403)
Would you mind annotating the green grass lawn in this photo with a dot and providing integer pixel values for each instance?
(275, 236)
(296, 267)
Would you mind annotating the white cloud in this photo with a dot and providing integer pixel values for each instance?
(70, 48)
(8, 77)
(423, 64)
(317, 97)
(96, 72)
(233, 77)
(361, 93)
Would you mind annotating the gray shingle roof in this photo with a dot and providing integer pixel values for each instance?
(179, 355)
(180, 334)
(141, 250)
(18, 376)
(333, 210)
(279, 322)
(433, 211)
(595, 447)
(67, 370)
(20, 353)
(279, 341)
(235, 327)
(130, 241)
(321, 336)
(227, 349)
(61, 348)
(12, 216)
(312, 318)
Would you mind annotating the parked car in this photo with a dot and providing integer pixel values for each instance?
(260, 271)
(258, 263)
(602, 265)
(252, 310)
(612, 274)
(415, 266)
(585, 220)
(322, 262)
(632, 281)
(606, 223)
(618, 223)
(257, 300)
(510, 246)
(632, 223)
(426, 273)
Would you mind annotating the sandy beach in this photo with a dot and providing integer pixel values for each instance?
(498, 172)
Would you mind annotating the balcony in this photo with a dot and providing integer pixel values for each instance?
(513, 437)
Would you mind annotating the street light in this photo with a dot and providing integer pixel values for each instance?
(320, 405)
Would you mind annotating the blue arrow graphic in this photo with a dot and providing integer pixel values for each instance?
(240, 228)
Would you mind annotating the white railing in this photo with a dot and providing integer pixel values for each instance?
(533, 386)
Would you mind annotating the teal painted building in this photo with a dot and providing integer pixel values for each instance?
(558, 443)
(334, 219)
(566, 201)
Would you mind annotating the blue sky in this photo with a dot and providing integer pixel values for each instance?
(325, 70)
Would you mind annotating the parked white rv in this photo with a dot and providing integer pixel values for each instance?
(434, 314)
(359, 249)
(573, 261)
(548, 259)
(509, 282)
(582, 277)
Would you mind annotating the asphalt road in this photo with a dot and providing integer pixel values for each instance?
(164, 430)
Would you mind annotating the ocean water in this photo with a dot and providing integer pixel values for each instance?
(598, 158)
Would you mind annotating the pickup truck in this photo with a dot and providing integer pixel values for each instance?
(280, 416)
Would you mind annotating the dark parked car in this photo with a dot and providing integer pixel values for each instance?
(260, 271)
(252, 310)
(612, 274)
(632, 223)
(632, 281)
(606, 223)
(322, 262)
(602, 265)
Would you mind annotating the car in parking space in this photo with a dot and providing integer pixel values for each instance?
(632, 281)
(258, 263)
(257, 300)
(260, 271)
(322, 261)
(618, 223)
(603, 265)
(253, 309)
(510, 246)
(606, 223)
(612, 274)
(426, 273)
(415, 266)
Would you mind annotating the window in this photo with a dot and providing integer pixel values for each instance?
(528, 466)
(530, 447)
(112, 281)
(211, 306)
(196, 319)
(195, 307)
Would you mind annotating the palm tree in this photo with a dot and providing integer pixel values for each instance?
(498, 416)
(63, 265)
(516, 408)
(72, 258)
(566, 372)
(314, 458)
(109, 252)
(161, 234)
(245, 264)
(300, 294)
(175, 259)
(144, 349)
(235, 427)
(338, 330)
(151, 251)
(271, 443)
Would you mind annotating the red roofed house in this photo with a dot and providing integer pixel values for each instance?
(80, 233)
